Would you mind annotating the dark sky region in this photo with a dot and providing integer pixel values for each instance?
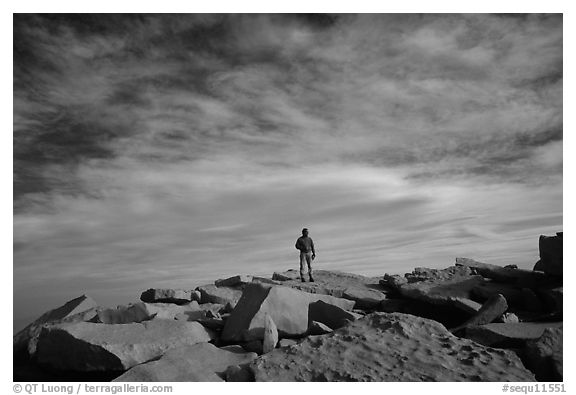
(171, 150)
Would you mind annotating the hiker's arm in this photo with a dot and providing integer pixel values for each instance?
(312, 245)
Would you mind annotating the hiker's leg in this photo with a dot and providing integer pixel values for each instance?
(302, 263)
(309, 261)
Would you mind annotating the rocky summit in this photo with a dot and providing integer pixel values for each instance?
(471, 321)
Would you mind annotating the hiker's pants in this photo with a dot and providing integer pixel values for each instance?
(305, 257)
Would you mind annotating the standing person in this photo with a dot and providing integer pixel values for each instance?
(307, 253)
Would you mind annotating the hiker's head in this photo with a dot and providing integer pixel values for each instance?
(305, 232)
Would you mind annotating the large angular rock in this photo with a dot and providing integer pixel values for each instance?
(288, 308)
(365, 298)
(511, 335)
(444, 297)
(92, 347)
(70, 308)
(419, 274)
(544, 355)
(270, 335)
(466, 305)
(519, 277)
(162, 295)
(551, 255)
(198, 362)
(234, 281)
(389, 347)
(330, 315)
(442, 292)
(539, 266)
(490, 311)
(82, 308)
(219, 295)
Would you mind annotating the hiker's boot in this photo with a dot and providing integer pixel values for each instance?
(311, 279)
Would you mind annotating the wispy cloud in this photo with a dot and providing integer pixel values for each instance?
(172, 149)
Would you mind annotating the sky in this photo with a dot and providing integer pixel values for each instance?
(172, 150)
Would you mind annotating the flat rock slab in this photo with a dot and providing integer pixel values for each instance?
(199, 362)
(288, 308)
(508, 334)
(101, 347)
(449, 292)
(389, 347)
(164, 295)
(466, 305)
(327, 282)
(427, 274)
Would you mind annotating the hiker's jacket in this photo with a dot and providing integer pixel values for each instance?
(305, 244)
